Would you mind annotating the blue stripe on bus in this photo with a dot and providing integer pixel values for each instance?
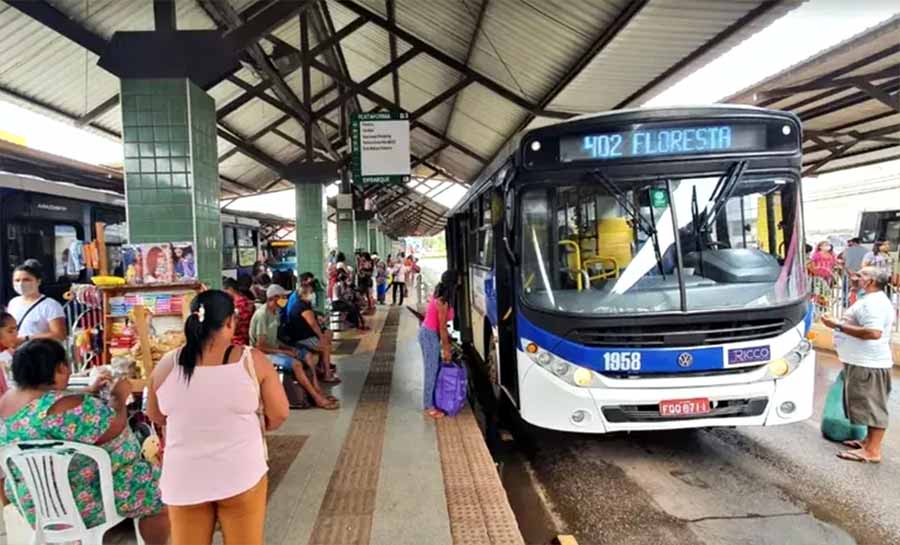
(654, 360)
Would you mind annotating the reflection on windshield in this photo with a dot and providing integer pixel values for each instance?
(588, 247)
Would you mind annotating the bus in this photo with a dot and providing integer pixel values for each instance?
(641, 270)
(41, 219)
(882, 225)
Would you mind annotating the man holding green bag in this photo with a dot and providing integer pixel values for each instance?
(862, 339)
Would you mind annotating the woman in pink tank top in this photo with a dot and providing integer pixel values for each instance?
(207, 395)
(434, 337)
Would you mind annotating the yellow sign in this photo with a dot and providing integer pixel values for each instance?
(9, 137)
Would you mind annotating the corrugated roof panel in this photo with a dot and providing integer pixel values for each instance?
(847, 115)
(528, 46)
(459, 163)
(660, 35)
(484, 120)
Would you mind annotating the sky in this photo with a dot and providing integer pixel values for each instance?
(814, 26)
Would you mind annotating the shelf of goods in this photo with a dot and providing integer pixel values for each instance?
(141, 324)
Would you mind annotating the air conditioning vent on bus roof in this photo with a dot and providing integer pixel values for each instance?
(675, 335)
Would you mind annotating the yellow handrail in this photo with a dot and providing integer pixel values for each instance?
(614, 272)
(578, 269)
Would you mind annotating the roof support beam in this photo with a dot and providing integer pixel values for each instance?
(479, 21)
(605, 37)
(387, 104)
(164, 15)
(438, 100)
(49, 16)
(832, 155)
(391, 8)
(450, 61)
(889, 100)
(252, 151)
(226, 15)
(369, 81)
(828, 82)
(98, 111)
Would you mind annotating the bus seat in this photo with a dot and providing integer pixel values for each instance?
(614, 240)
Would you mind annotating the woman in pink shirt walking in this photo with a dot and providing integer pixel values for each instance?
(434, 337)
(207, 394)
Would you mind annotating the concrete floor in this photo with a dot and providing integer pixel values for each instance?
(746, 485)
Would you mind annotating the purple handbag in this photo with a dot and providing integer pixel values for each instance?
(451, 390)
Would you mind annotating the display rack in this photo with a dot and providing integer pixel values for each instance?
(141, 303)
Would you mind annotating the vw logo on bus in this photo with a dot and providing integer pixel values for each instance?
(685, 359)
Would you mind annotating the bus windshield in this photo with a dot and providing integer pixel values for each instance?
(596, 245)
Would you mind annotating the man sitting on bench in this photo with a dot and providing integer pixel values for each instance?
(264, 336)
(302, 329)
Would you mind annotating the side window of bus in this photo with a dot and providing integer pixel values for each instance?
(51, 244)
(229, 251)
(246, 241)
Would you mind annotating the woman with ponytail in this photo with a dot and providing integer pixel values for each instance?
(434, 338)
(214, 399)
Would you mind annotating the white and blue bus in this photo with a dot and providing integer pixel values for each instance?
(641, 270)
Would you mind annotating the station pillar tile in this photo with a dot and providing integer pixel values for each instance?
(312, 234)
(373, 238)
(171, 168)
(346, 234)
(362, 234)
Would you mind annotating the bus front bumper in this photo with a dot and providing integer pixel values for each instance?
(548, 402)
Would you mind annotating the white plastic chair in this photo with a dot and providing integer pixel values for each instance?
(44, 466)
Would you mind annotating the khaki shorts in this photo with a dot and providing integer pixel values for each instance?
(866, 392)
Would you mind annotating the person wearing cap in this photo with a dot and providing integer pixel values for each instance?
(264, 337)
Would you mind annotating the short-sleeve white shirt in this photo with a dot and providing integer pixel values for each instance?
(38, 320)
(872, 311)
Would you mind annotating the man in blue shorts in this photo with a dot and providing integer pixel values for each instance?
(264, 337)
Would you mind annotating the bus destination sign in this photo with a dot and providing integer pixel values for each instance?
(663, 141)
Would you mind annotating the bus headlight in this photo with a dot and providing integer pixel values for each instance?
(782, 367)
(560, 368)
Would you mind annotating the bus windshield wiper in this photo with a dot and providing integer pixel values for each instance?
(723, 191)
(649, 229)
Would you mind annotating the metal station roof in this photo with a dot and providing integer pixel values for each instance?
(847, 98)
(470, 72)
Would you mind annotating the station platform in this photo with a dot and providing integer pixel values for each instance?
(377, 471)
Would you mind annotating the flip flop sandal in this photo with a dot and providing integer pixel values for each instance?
(852, 443)
(334, 380)
(854, 457)
(329, 406)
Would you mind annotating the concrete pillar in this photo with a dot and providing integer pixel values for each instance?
(373, 238)
(362, 235)
(312, 238)
(346, 231)
(171, 168)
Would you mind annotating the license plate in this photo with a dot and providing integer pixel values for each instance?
(684, 407)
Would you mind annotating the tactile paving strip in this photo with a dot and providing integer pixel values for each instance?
(345, 517)
(476, 501)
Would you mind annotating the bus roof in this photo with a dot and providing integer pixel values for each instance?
(628, 115)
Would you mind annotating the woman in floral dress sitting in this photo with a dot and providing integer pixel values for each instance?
(40, 408)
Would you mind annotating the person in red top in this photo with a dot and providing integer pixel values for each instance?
(243, 308)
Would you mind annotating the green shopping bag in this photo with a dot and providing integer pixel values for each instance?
(835, 424)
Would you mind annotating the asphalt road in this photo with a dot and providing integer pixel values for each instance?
(748, 485)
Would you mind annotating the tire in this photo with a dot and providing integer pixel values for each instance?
(493, 362)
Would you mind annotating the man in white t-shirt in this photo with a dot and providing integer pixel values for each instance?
(862, 340)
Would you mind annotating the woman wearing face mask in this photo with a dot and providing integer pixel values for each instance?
(37, 316)
(824, 261)
(207, 394)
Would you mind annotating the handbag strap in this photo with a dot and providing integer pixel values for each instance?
(27, 312)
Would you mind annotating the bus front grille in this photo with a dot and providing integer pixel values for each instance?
(730, 408)
(673, 336)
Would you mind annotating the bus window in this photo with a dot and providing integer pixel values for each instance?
(66, 265)
(247, 252)
(229, 252)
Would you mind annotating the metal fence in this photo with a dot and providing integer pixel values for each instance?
(834, 295)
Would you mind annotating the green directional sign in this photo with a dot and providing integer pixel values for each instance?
(659, 198)
(380, 147)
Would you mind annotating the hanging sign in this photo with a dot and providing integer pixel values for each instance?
(380, 147)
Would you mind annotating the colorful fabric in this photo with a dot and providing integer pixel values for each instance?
(135, 481)
(823, 264)
(432, 319)
(245, 309)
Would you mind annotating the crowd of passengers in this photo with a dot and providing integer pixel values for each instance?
(216, 381)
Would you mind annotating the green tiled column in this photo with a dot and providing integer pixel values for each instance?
(372, 238)
(312, 233)
(346, 231)
(171, 168)
(362, 234)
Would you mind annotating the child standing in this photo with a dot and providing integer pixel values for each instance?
(9, 338)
